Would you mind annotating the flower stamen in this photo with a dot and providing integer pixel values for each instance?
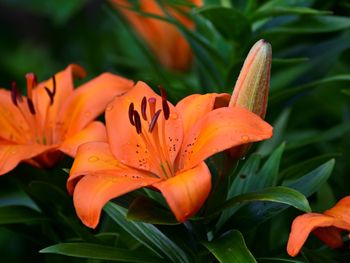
(143, 108)
(137, 121)
(131, 114)
(154, 121)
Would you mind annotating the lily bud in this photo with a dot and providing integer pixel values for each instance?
(252, 87)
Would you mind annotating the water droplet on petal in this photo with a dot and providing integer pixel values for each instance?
(174, 116)
(109, 108)
(93, 159)
(244, 138)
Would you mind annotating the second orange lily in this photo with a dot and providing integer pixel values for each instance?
(53, 118)
(328, 227)
(163, 38)
(153, 143)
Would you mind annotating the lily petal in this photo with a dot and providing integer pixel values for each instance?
(64, 89)
(12, 123)
(128, 146)
(163, 38)
(91, 99)
(195, 106)
(219, 130)
(187, 191)
(12, 154)
(94, 190)
(95, 131)
(301, 228)
(330, 236)
(342, 211)
(91, 158)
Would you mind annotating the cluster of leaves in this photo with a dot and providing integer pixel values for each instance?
(248, 215)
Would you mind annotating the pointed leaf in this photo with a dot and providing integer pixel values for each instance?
(149, 211)
(267, 175)
(147, 234)
(230, 23)
(230, 248)
(278, 194)
(19, 214)
(279, 260)
(94, 251)
(311, 182)
(314, 24)
(279, 126)
(247, 216)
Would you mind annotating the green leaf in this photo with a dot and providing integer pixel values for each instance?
(94, 251)
(279, 260)
(147, 234)
(240, 185)
(60, 11)
(249, 179)
(279, 126)
(288, 61)
(327, 135)
(298, 170)
(241, 182)
(230, 248)
(278, 194)
(267, 176)
(19, 214)
(316, 257)
(247, 216)
(287, 93)
(313, 25)
(346, 91)
(311, 182)
(279, 11)
(149, 211)
(229, 22)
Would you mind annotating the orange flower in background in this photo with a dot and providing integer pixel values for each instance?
(53, 118)
(252, 86)
(327, 227)
(163, 38)
(152, 143)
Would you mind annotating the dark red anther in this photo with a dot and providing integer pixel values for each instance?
(143, 108)
(31, 106)
(14, 92)
(163, 93)
(53, 86)
(165, 105)
(154, 121)
(137, 120)
(49, 93)
(166, 109)
(52, 93)
(131, 114)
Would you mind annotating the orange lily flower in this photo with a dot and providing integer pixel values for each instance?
(327, 227)
(153, 143)
(163, 38)
(53, 118)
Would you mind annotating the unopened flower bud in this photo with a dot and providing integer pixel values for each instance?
(252, 87)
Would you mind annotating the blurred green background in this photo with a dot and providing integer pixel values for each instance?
(310, 84)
